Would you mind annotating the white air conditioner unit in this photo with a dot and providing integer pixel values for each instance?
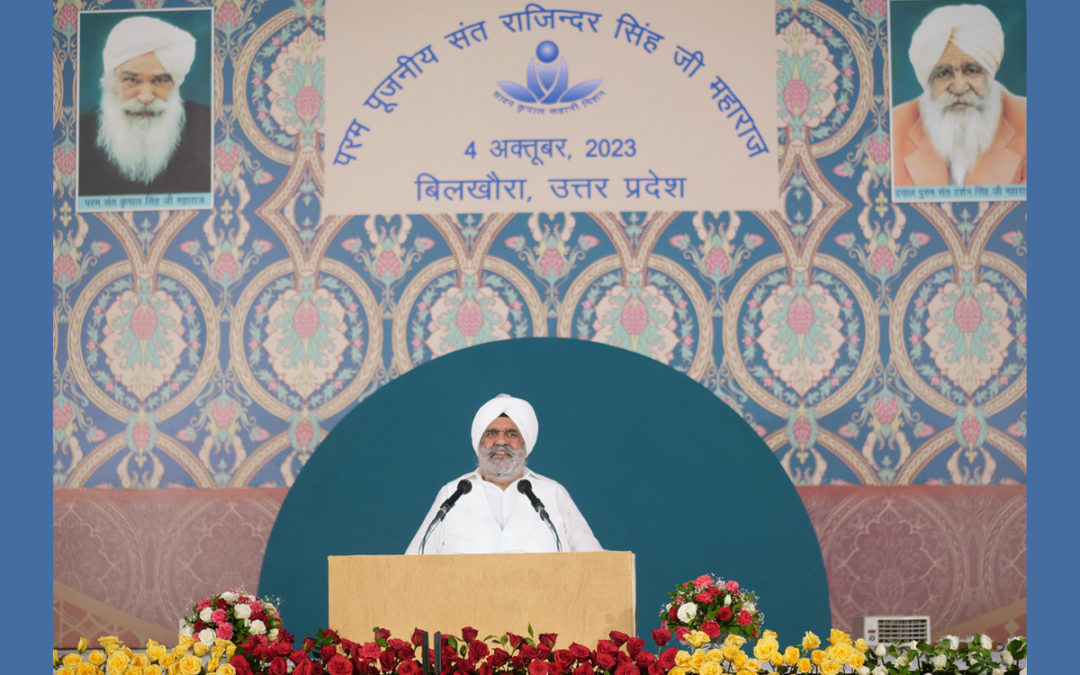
(875, 629)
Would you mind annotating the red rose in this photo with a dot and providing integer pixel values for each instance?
(478, 650)
(623, 657)
(580, 651)
(340, 665)
(277, 666)
(543, 652)
(656, 669)
(241, 665)
(606, 647)
(667, 658)
(307, 645)
(409, 667)
(305, 667)
(297, 656)
(485, 668)
(583, 669)
(673, 613)
(681, 632)
(515, 640)
(327, 652)
(382, 634)
(605, 660)
(626, 669)
(618, 637)
(661, 636)
(745, 618)
(634, 646)
(564, 659)
(469, 633)
(498, 657)
(538, 668)
(732, 586)
(417, 637)
(387, 660)
(518, 661)
(723, 614)
(528, 651)
(644, 659)
(282, 648)
(370, 650)
(710, 628)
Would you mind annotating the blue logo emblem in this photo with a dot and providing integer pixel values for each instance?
(547, 80)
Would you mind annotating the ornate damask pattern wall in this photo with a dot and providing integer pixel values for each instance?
(868, 342)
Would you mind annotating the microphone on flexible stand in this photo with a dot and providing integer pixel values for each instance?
(525, 487)
(463, 487)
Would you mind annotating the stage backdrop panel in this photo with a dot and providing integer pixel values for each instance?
(657, 465)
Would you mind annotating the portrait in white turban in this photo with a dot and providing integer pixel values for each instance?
(518, 410)
(972, 28)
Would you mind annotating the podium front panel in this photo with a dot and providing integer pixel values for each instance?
(579, 596)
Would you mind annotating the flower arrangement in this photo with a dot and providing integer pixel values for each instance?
(950, 656)
(188, 657)
(232, 615)
(710, 605)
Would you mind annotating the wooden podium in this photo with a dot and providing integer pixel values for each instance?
(580, 596)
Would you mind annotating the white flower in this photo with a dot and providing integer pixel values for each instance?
(880, 650)
(272, 635)
(206, 636)
(230, 596)
(879, 670)
(687, 612)
(954, 642)
(258, 627)
(1007, 658)
(863, 670)
(206, 614)
(986, 642)
(939, 661)
(901, 660)
(242, 611)
(749, 606)
(727, 600)
(186, 629)
(913, 645)
(997, 671)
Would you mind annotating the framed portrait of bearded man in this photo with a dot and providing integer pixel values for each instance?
(145, 129)
(959, 100)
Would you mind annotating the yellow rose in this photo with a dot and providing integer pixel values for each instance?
(117, 661)
(777, 659)
(803, 665)
(133, 670)
(768, 635)
(140, 660)
(64, 670)
(829, 667)
(791, 655)
(744, 671)
(212, 665)
(838, 637)
(152, 669)
(677, 671)
(734, 640)
(230, 650)
(752, 665)
(861, 645)
(180, 650)
(710, 668)
(810, 641)
(85, 668)
(83, 644)
(184, 641)
(96, 657)
(71, 660)
(817, 656)
(682, 659)
(190, 665)
(840, 651)
(200, 649)
(55, 658)
(764, 649)
(697, 638)
(174, 669)
(109, 642)
(715, 655)
(729, 652)
(167, 660)
(226, 669)
(857, 660)
(155, 651)
(740, 660)
(697, 660)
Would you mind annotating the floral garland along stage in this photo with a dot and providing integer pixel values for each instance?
(260, 645)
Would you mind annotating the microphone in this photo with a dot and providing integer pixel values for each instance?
(463, 487)
(525, 487)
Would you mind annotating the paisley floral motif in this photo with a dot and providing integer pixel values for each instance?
(297, 85)
(717, 256)
(553, 255)
(385, 257)
(466, 315)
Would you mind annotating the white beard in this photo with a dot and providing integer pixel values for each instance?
(961, 135)
(140, 147)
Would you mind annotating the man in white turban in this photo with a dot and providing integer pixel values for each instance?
(145, 139)
(503, 506)
(966, 128)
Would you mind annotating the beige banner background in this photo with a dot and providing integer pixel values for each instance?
(667, 121)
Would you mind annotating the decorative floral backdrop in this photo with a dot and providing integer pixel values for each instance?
(868, 342)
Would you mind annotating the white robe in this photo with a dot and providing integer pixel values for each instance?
(491, 520)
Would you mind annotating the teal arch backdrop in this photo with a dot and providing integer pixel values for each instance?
(656, 463)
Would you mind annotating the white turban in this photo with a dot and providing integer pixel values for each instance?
(518, 410)
(972, 28)
(139, 35)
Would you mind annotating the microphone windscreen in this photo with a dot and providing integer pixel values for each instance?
(464, 486)
(524, 486)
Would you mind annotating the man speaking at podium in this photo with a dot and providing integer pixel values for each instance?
(502, 506)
